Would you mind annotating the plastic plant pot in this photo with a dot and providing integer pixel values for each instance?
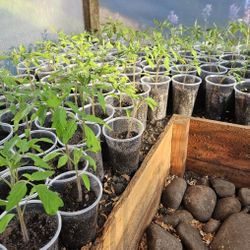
(233, 65)
(219, 91)
(83, 164)
(78, 227)
(3, 103)
(159, 92)
(45, 146)
(123, 151)
(183, 69)
(204, 59)
(6, 132)
(22, 68)
(27, 77)
(133, 73)
(141, 107)
(4, 188)
(242, 102)
(96, 156)
(212, 69)
(105, 88)
(76, 99)
(232, 57)
(154, 71)
(8, 116)
(122, 104)
(36, 205)
(185, 89)
(47, 69)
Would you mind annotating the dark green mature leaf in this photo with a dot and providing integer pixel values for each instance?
(59, 121)
(69, 132)
(86, 181)
(38, 162)
(77, 155)
(20, 115)
(51, 200)
(91, 161)
(17, 193)
(92, 142)
(92, 118)
(51, 156)
(101, 101)
(4, 222)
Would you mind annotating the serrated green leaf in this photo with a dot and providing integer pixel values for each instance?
(92, 142)
(62, 161)
(17, 193)
(51, 156)
(39, 175)
(38, 162)
(51, 200)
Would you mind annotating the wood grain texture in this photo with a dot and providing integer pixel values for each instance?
(219, 148)
(91, 13)
(179, 145)
(139, 203)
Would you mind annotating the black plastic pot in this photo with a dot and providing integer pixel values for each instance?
(219, 91)
(124, 152)
(78, 227)
(185, 89)
(242, 102)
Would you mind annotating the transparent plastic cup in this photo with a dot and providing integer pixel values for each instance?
(159, 92)
(30, 206)
(78, 227)
(183, 69)
(140, 105)
(232, 57)
(8, 130)
(153, 71)
(133, 73)
(219, 91)
(185, 89)
(118, 102)
(242, 102)
(124, 152)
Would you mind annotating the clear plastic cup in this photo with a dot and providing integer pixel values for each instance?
(232, 57)
(185, 89)
(219, 91)
(30, 206)
(153, 71)
(78, 227)
(159, 92)
(124, 152)
(183, 69)
(7, 130)
(242, 102)
(133, 73)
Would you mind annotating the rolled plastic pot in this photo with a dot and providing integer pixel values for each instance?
(140, 105)
(39, 134)
(96, 156)
(183, 69)
(242, 102)
(6, 132)
(219, 91)
(21, 170)
(124, 152)
(159, 92)
(133, 73)
(185, 89)
(232, 57)
(36, 205)
(122, 104)
(78, 227)
(153, 71)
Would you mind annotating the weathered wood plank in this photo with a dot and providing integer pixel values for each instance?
(179, 145)
(219, 143)
(241, 178)
(139, 203)
(91, 13)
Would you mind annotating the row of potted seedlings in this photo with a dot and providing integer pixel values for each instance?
(75, 99)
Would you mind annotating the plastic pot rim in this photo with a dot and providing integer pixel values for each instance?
(187, 84)
(123, 118)
(2, 124)
(218, 84)
(59, 222)
(120, 108)
(240, 92)
(167, 80)
(218, 65)
(94, 204)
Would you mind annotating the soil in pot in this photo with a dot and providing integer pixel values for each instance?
(77, 138)
(123, 103)
(3, 134)
(41, 229)
(98, 112)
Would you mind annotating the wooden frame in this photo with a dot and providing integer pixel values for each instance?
(91, 14)
(204, 146)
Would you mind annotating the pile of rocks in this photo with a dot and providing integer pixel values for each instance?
(222, 211)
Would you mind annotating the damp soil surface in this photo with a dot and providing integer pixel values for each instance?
(3, 134)
(123, 103)
(98, 112)
(124, 135)
(41, 229)
(77, 137)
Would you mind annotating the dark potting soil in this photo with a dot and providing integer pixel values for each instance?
(139, 90)
(123, 103)
(69, 195)
(99, 113)
(41, 229)
(124, 135)
(77, 137)
(43, 146)
(3, 134)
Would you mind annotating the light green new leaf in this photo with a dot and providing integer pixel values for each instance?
(62, 161)
(69, 132)
(51, 200)
(86, 181)
(17, 193)
(39, 175)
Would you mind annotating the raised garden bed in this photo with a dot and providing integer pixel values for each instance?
(203, 146)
